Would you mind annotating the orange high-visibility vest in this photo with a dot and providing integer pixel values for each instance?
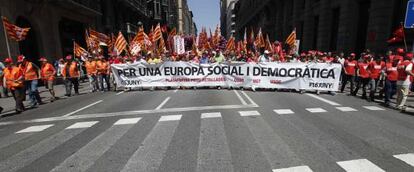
(73, 70)
(91, 67)
(29, 71)
(14, 77)
(48, 72)
(102, 67)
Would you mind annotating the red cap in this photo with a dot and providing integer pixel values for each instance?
(43, 59)
(20, 58)
(409, 55)
(8, 60)
(69, 57)
(400, 50)
(353, 54)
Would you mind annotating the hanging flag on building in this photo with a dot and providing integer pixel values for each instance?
(291, 38)
(14, 32)
(120, 44)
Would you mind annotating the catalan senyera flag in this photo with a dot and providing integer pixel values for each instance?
(14, 32)
(157, 34)
(161, 45)
(111, 43)
(231, 44)
(78, 51)
(120, 44)
(291, 38)
(259, 42)
(102, 38)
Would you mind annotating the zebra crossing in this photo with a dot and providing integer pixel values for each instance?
(214, 150)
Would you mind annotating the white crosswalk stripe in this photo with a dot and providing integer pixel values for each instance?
(149, 155)
(407, 158)
(294, 169)
(79, 125)
(373, 108)
(87, 155)
(359, 165)
(213, 151)
(36, 128)
(249, 113)
(346, 109)
(283, 111)
(316, 110)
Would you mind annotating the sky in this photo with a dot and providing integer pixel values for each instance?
(206, 13)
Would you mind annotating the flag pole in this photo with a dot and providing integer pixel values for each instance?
(7, 39)
(405, 41)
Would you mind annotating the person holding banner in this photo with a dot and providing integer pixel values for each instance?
(71, 75)
(14, 81)
(48, 73)
(31, 75)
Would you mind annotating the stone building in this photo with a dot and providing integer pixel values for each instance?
(227, 17)
(184, 17)
(346, 25)
(56, 23)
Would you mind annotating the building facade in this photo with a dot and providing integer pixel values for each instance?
(227, 17)
(184, 17)
(55, 24)
(346, 25)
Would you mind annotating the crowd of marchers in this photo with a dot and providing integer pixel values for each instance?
(378, 75)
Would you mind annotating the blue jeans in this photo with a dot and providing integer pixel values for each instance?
(31, 87)
(390, 90)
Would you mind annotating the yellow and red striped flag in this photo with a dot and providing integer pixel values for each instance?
(259, 42)
(78, 51)
(102, 38)
(14, 32)
(157, 34)
(120, 44)
(291, 38)
(231, 43)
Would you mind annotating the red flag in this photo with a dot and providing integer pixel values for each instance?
(14, 32)
(398, 35)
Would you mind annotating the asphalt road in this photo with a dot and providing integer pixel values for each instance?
(208, 130)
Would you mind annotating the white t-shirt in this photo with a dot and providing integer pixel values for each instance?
(407, 81)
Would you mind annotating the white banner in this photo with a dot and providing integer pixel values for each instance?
(307, 76)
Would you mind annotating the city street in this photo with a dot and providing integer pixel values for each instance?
(208, 130)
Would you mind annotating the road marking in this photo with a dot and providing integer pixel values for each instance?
(249, 113)
(170, 118)
(324, 100)
(211, 115)
(374, 108)
(346, 109)
(162, 103)
(127, 121)
(250, 99)
(283, 111)
(82, 125)
(36, 128)
(213, 151)
(122, 92)
(31, 154)
(316, 110)
(88, 154)
(129, 113)
(149, 155)
(407, 158)
(81, 109)
(294, 169)
(359, 165)
(240, 98)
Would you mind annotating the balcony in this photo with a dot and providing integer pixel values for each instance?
(87, 7)
(140, 6)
